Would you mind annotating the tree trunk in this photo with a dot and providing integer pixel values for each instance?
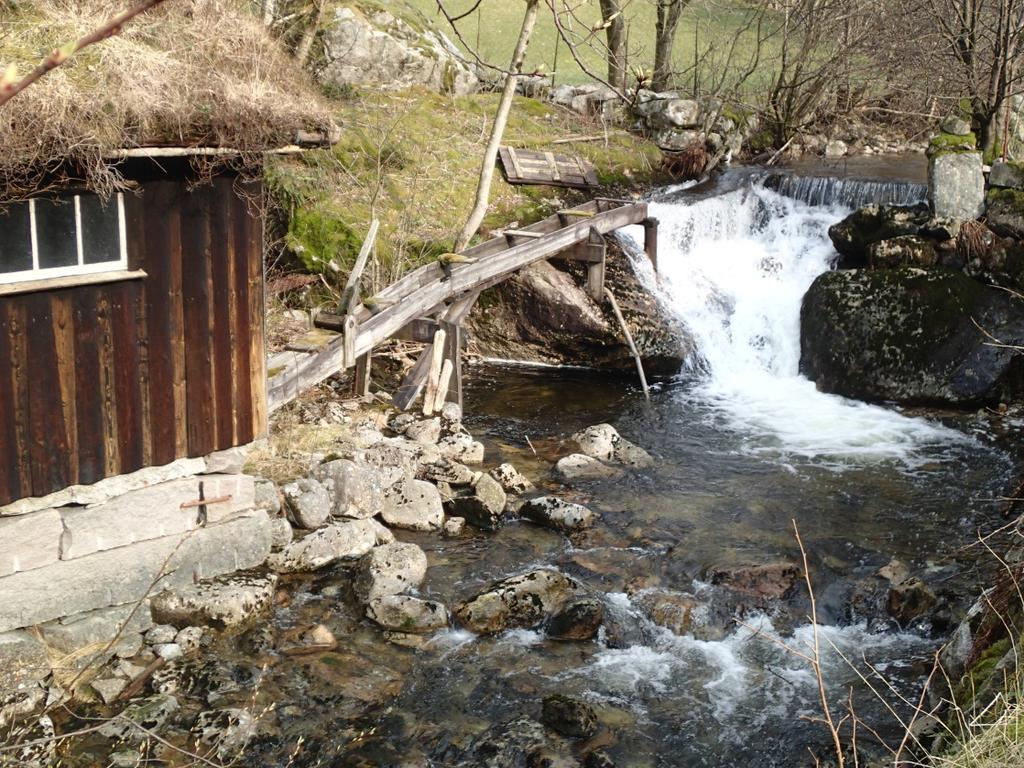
(309, 34)
(669, 13)
(483, 190)
(616, 31)
(268, 8)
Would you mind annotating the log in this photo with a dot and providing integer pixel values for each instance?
(434, 373)
(447, 368)
(350, 296)
(629, 341)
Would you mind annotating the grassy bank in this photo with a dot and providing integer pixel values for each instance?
(492, 32)
(411, 160)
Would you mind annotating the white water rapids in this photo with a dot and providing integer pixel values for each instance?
(735, 268)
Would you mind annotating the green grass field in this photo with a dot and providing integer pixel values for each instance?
(493, 30)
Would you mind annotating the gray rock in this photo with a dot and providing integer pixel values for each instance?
(911, 336)
(225, 731)
(676, 113)
(451, 417)
(401, 421)
(956, 126)
(230, 461)
(225, 602)
(309, 503)
(836, 148)
(854, 235)
(482, 506)
(568, 716)
(108, 688)
(334, 542)
(579, 620)
(603, 442)
(683, 614)
(1006, 174)
(96, 629)
(414, 505)
(454, 526)
(390, 569)
(267, 496)
(519, 602)
(373, 47)
(152, 714)
(956, 184)
(1005, 213)
(510, 480)
(577, 466)
(448, 471)
(462, 447)
(190, 639)
(168, 651)
(30, 541)
(562, 94)
(906, 250)
(160, 634)
(425, 431)
(553, 512)
(281, 533)
(909, 600)
(358, 491)
(24, 662)
(403, 613)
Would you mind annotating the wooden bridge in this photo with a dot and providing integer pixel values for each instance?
(429, 304)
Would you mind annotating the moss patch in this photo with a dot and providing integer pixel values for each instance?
(945, 143)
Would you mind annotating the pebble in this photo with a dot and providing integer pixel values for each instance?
(168, 651)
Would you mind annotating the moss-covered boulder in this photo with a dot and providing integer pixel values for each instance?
(1004, 212)
(998, 261)
(912, 336)
(854, 235)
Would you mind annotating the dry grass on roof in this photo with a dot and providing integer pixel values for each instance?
(187, 73)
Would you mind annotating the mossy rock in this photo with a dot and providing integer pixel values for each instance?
(854, 235)
(912, 336)
(1005, 212)
(905, 250)
(945, 143)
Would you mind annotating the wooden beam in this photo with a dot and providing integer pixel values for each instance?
(453, 352)
(434, 373)
(420, 330)
(651, 240)
(595, 270)
(350, 296)
(361, 380)
(523, 233)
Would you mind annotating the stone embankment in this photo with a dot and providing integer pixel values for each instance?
(926, 306)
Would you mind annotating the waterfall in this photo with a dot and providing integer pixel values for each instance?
(735, 268)
(849, 193)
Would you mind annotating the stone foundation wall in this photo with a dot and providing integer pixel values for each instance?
(72, 575)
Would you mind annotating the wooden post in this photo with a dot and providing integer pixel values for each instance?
(651, 240)
(434, 373)
(361, 381)
(350, 296)
(348, 354)
(442, 384)
(453, 352)
(595, 269)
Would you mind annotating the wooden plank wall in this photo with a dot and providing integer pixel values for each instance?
(101, 380)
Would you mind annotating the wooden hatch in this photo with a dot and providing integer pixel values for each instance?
(528, 166)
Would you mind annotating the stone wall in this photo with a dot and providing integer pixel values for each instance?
(74, 574)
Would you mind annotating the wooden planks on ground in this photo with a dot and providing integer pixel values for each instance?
(528, 166)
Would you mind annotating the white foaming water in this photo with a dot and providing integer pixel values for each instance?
(735, 268)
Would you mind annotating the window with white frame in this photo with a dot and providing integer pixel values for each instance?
(75, 235)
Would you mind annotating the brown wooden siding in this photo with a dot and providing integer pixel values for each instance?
(104, 379)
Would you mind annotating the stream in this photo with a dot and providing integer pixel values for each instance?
(745, 447)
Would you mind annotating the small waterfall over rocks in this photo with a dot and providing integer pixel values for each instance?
(845, 192)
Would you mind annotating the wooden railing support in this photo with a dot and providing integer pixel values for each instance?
(651, 240)
(453, 353)
(361, 380)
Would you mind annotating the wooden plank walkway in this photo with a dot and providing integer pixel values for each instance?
(449, 291)
(527, 166)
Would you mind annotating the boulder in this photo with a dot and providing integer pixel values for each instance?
(769, 580)
(568, 716)
(673, 113)
(1005, 212)
(414, 505)
(683, 614)
(854, 235)
(1000, 261)
(226, 602)
(579, 620)
(909, 600)
(267, 496)
(357, 491)
(281, 533)
(836, 148)
(334, 542)
(454, 526)
(461, 447)
(403, 613)
(1006, 174)
(521, 602)
(482, 506)
(511, 480)
(956, 184)
(448, 471)
(910, 336)
(373, 48)
(518, 743)
(577, 466)
(597, 441)
(24, 662)
(956, 126)
(425, 431)
(556, 513)
(390, 569)
(309, 503)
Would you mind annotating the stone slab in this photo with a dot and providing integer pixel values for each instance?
(127, 574)
(23, 662)
(1009, 175)
(153, 512)
(29, 541)
(956, 185)
(106, 489)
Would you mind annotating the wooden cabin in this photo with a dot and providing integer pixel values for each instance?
(131, 327)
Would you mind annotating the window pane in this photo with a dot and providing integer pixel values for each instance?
(15, 238)
(101, 231)
(55, 233)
